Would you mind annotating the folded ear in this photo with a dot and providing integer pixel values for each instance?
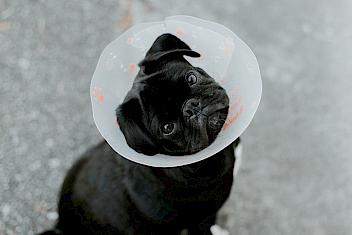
(129, 116)
(166, 47)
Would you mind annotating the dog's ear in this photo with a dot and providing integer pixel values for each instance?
(165, 47)
(129, 116)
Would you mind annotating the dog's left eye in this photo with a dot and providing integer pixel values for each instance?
(168, 128)
(191, 78)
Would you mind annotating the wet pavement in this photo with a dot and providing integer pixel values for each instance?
(296, 174)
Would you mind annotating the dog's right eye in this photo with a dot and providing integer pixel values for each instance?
(191, 78)
(168, 128)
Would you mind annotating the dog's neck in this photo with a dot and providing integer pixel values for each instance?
(206, 170)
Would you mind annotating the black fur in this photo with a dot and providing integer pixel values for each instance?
(103, 193)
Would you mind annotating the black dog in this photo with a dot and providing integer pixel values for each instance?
(172, 108)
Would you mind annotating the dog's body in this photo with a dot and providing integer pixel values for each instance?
(104, 193)
(173, 108)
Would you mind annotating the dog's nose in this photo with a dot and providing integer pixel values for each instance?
(191, 107)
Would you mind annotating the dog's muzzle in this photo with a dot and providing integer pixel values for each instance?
(192, 108)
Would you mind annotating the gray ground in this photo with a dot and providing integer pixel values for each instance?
(296, 176)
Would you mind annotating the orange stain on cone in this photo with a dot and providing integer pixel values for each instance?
(235, 110)
(179, 32)
(130, 40)
(132, 68)
(98, 95)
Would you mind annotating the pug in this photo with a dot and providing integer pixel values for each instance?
(172, 108)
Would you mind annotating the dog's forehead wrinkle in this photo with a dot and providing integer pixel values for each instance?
(169, 94)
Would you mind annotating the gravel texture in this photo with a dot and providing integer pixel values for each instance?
(296, 176)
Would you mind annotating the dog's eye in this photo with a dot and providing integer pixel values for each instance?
(191, 78)
(168, 128)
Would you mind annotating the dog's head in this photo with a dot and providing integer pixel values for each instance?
(172, 108)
